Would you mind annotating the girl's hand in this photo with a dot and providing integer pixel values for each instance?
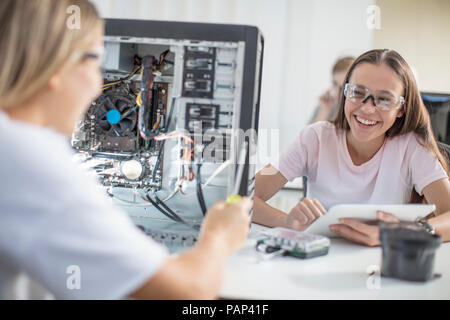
(362, 233)
(303, 214)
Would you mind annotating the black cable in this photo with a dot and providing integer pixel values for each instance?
(162, 57)
(158, 204)
(169, 118)
(168, 209)
(158, 160)
(164, 130)
(168, 215)
(201, 199)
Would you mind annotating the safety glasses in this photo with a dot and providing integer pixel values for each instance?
(383, 100)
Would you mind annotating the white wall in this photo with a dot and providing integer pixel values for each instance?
(319, 32)
(303, 38)
(420, 31)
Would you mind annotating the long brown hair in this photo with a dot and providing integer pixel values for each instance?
(415, 115)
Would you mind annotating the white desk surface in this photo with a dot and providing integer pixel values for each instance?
(342, 274)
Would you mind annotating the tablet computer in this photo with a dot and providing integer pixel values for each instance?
(365, 213)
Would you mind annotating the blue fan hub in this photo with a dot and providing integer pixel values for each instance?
(113, 116)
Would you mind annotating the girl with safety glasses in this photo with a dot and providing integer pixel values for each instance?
(379, 149)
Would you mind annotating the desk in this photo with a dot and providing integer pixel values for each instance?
(342, 274)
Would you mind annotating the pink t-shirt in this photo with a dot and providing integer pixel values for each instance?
(320, 153)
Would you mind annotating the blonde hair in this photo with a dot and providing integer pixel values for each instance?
(37, 41)
(342, 64)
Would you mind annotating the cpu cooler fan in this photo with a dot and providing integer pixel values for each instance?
(116, 115)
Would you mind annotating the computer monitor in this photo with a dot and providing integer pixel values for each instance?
(438, 105)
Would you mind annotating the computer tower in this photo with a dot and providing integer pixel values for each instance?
(175, 128)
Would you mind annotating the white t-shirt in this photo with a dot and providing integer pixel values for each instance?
(320, 152)
(57, 227)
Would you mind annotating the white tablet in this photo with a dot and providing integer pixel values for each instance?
(366, 212)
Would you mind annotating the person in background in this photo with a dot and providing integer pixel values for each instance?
(54, 215)
(380, 149)
(328, 101)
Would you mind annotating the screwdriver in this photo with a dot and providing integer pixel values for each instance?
(235, 197)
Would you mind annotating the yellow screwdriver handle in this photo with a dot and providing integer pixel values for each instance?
(233, 198)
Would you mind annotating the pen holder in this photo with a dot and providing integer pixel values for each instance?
(408, 251)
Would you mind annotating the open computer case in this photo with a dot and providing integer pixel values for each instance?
(175, 127)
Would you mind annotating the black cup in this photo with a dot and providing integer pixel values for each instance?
(408, 251)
